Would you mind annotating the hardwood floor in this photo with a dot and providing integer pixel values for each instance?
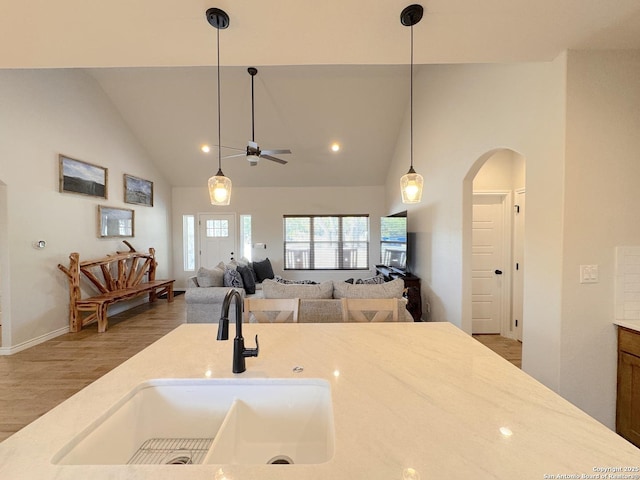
(34, 381)
(505, 347)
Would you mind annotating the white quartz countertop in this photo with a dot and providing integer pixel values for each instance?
(630, 324)
(411, 401)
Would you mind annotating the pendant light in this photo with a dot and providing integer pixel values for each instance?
(219, 185)
(411, 182)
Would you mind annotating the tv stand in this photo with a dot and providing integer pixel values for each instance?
(411, 285)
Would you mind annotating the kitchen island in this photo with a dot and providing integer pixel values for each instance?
(410, 401)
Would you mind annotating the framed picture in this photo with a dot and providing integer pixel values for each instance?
(81, 177)
(115, 222)
(138, 191)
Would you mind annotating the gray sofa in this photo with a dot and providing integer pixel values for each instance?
(204, 304)
(319, 303)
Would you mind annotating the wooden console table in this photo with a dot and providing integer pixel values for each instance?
(412, 286)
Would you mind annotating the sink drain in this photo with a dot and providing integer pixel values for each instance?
(280, 460)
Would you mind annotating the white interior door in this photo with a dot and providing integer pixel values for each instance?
(217, 238)
(488, 263)
(518, 265)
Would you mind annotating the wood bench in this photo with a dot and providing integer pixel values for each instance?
(117, 277)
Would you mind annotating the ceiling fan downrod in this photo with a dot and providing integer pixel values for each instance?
(252, 71)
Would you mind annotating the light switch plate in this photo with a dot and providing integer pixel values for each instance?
(588, 273)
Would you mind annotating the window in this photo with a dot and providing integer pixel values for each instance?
(245, 236)
(217, 228)
(326, 242)
(189, 242)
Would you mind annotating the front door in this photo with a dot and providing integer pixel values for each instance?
(217, 238)
(487, 268)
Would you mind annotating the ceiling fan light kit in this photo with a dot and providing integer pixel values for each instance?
(219, 185)
(411, 183)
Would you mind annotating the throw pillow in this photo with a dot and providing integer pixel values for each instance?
(210, 277)
(263, 270)
(244, 261)
(279, 279)
(232, 278)
(378, 279)
(253, 272)
(273, 289)
(392, 289)
(320, 311)
(247, 279)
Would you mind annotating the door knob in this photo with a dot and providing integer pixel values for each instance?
(498, 272)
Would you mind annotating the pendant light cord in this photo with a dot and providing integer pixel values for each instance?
(219, 121)
(411, 103)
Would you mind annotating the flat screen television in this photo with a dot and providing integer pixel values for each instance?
(393, 241)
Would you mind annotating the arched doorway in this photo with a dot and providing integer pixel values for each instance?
(493, 239)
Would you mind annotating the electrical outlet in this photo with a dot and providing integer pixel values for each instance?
(589, 274)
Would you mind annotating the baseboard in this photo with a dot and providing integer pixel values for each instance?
(33, 342)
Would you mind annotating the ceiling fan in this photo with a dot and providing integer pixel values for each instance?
(253, 152)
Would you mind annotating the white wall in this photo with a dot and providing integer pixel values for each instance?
(600, 213)
(504, 170)
(44, 113)
(462, 115)
(266, 207)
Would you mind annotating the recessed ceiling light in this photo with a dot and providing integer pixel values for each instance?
(335, 147)
(205, 148)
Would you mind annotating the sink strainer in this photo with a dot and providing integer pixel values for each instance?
(179, 460)
(280, 460)
(171, 451)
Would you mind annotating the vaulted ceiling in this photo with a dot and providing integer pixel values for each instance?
(329, 71)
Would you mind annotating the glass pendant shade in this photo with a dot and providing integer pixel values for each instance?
(411, 187)
(220, 189)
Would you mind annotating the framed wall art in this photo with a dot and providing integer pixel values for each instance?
(81, 177)
(115, 222)
(138, 191)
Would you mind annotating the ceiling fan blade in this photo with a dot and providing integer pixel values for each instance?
(230, 148)
(274, 159)
(276, 152)
(235, 155)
